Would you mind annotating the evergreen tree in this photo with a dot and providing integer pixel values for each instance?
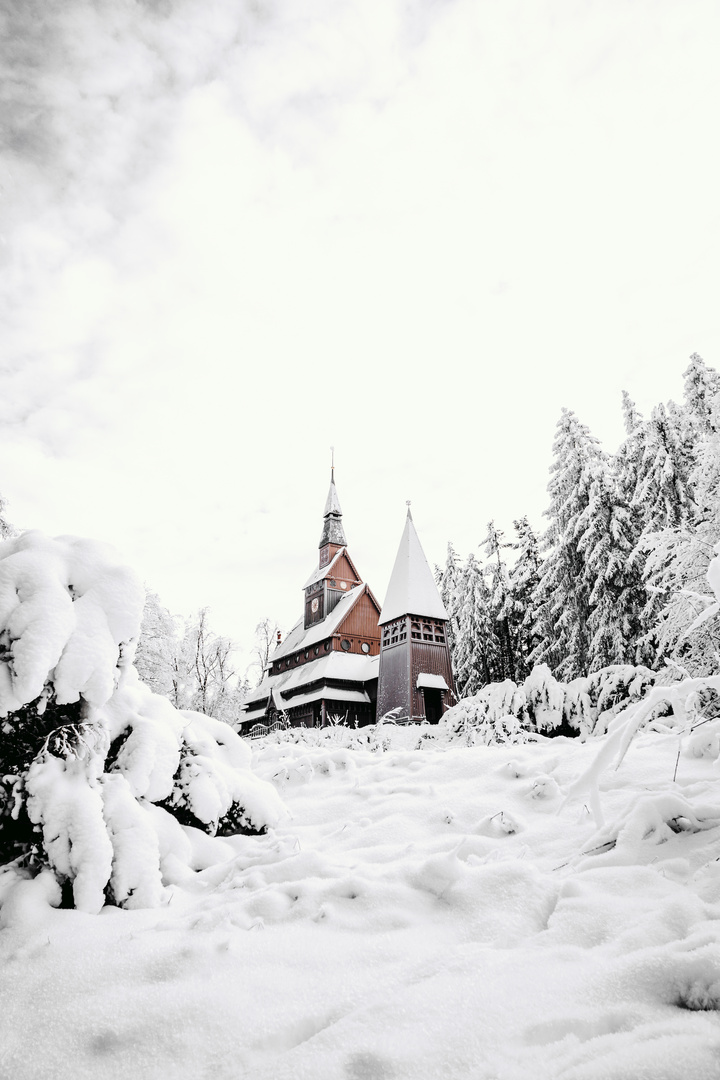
(474, 662)
(520, 600)
(663, 492)
(496, 572)
(449, 585)
(701, 389)
(616, 594)
(679, 554)
(564, 589)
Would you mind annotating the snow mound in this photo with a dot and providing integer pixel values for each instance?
(92, 763)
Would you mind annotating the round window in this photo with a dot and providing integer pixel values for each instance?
(343, 584)
(327, 646)
(345, 644)
(316, 650)
(307, 653)
(365, 647)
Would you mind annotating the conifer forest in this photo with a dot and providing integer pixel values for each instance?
(617, 576)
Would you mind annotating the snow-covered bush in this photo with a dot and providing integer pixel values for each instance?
(100, 779)
(614, 688)
(504, 712)
(497, 713)
(691, 707)
(545, 698)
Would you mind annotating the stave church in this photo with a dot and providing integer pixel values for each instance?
(348, 660)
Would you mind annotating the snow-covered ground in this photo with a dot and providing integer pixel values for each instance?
(420, 913)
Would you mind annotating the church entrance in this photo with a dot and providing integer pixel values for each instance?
(433, 704)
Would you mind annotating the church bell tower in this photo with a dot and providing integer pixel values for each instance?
(415, 679)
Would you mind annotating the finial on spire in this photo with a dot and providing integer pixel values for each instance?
(332, 463)
(407, 503)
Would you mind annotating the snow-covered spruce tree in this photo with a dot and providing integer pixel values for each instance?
(626, 470)
(520, 599)
(474, 657)
(678, 555)
(663, 492)
(563, 596)
(701, 389)
(504, 631)
(102, 781)
(449, 585)
(616, 593)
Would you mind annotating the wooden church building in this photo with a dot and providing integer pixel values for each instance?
(348, 661)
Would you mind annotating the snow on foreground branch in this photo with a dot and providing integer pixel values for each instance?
(101, 781)
(685, 700)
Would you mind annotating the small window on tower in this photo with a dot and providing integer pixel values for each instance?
(345, 645)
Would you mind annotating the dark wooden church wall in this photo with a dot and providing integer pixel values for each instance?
(394, 689)
(361, 623)
(433, 660)
(342, 571)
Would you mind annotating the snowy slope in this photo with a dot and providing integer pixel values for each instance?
(425, 913)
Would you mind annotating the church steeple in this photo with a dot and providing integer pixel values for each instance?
(333, 533)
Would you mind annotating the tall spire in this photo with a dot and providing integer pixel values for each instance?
(412, 589)
(332, 529)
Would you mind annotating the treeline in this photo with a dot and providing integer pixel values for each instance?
(619, 574)
(185, 661)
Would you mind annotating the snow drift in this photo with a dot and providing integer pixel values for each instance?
(102, 781)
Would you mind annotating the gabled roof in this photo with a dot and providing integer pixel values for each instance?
(323, 571)
(299, 638)
(412, 589)
(326, 571)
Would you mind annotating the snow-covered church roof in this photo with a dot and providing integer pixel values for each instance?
(412, 589)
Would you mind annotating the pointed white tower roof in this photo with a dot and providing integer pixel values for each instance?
(412, 589)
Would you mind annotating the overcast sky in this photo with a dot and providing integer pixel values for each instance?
(237, 232)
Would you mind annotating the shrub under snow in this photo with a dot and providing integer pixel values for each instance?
(101, 780)
(504, 712)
